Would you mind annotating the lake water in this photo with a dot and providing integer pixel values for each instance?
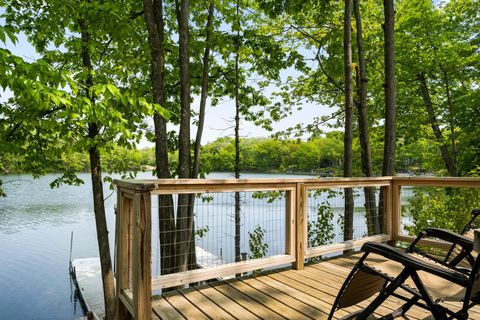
(35, 227)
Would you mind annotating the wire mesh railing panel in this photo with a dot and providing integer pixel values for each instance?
(332, 219)
(441, 207)
(208, 230)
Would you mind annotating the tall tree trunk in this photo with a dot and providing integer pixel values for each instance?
(153, 13)
(237, 140)
(201, 120)
(451, 117)
(390, 90)
(446, 155)
(185, 227)
(367, 168)
(347, 141)
(388, 167)
(97, 187)
(204, 90)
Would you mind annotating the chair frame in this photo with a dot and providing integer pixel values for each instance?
(445, 269)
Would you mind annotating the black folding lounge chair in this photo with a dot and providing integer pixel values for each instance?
(455, 256)
(416, 278)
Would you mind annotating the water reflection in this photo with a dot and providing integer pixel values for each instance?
(35, 226)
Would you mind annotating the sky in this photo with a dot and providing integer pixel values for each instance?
(218, 120)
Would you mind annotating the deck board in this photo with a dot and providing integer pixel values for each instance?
(227, 304)
(285, 294)
(248, 303)
(273, 304)
(184, 306)
(304, 309)
(206, 305)
(164, 310)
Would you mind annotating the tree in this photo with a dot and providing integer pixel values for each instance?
(439, 80)
(388, 166)
(366, 153)
(347, 142)
(237, 26)
(153, 13)
(92, 113)
(390, 89)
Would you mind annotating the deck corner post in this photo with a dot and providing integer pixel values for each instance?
(122, 261)
(300, 226)
(142, 263)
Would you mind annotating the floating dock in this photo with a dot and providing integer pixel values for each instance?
(87, 276)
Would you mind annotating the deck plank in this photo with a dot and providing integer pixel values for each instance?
(184, 306)
(164, 310)
(265, 300)
(205, 305)
(303, 308)
(227, 304)
(245, 301)
(318, 304)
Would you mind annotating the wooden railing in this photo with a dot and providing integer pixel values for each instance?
(133, 267)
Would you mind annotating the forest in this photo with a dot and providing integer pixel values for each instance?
(400, 81)
(319, 156)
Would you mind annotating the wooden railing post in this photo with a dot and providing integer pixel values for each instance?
(300, 226)
(396, 210)
(142, 263)
(388, 212)
(122, 251)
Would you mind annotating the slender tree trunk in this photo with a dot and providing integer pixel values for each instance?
(451, 117)
(185, 224)
(388, 168)
(97, 187)
(153, 13)
(204, 90)
(201, 120)
(237, 141)
(446, 155)
(347, 141)
(367, 168)
(390, 90)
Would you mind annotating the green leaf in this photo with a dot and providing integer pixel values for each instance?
(113, 90)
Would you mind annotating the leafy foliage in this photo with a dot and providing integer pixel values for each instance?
(321, 232)
(447, 208)
(256, 243)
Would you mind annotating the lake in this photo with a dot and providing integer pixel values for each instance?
(36, 223)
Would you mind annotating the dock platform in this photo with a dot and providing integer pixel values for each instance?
(87, 276)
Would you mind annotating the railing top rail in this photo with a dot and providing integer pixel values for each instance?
(437, 181)
(152, 184)
(158, 184)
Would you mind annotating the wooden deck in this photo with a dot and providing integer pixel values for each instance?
(286, 294)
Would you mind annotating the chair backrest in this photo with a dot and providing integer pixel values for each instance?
(475, 275)
(467, 231)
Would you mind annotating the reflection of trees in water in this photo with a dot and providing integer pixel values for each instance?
(16, 217)
(31, 203)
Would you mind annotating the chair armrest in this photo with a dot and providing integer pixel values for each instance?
(449, 236)
(409, 261)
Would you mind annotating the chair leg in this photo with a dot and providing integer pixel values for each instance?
(345, 284)
(438, 312)
(404, 309)
(384, 294)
